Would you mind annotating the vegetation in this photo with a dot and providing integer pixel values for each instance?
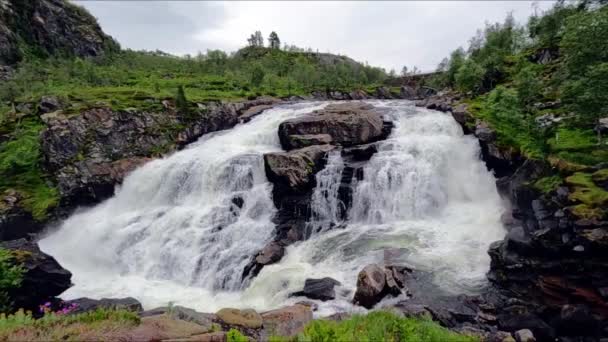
(11, 275)
(379, 326)
(143, 80)
(52, 326)
(543, 87)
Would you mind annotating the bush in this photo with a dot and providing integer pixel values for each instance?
(469, 77)
(11, 275)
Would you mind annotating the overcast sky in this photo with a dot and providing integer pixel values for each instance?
(386, 34)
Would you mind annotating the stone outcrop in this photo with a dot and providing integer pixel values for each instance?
(91, 152)
(550, 270)
(15, 222)
(295, 169)
(88, 304)
(346, 124)
(348, 128)
(321, 289)
(43, 277)
(375, 282)
(52, 27)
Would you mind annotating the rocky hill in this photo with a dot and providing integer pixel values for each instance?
(49, 27)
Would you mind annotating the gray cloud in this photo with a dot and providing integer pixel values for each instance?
(387, 34)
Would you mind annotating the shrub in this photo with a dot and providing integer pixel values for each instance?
(11, 275)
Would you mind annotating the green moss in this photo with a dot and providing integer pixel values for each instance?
(548, 184)
(380, 326)
(600, 176)
(11, 275)
(591, 198)
(586, 212)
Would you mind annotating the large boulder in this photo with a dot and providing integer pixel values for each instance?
(247, 318)
(43, 277)
(286, 322)
(270, 254)
(375, 282)
(321, 289)
(15, 222)
(87, 304)
(295, 169)
(347, 124)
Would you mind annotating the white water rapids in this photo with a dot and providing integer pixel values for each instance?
(175, 232)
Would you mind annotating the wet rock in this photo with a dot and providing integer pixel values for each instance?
(321, 289)
(500, 336)
(485, 133)
(383, 93)
(461, 114)
(286, 322)
(305, 140)
(273, 252)
(517, 318)
(43, 278)
(358, 95)
(295, 170)
(524, 335)
(348, 124)
(361, 152)
(408, 93)
(247, 318)
(375, 282)
(576, 320)
(370, 286)
(48, 104)
(87, 304)
(254, 111)
(16, 222)
(90, 153)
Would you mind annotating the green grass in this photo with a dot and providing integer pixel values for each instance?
(234, 335)
(52, 326)
(568, 139)
(379, 326)
(21, 171)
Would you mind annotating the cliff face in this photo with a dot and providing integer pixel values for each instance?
(49, 27)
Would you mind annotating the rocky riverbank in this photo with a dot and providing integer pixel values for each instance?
(549, 273)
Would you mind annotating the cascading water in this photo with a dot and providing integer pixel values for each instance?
(325, 205)
(181, 229)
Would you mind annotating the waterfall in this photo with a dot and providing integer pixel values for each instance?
(182, 228)
(325, 206)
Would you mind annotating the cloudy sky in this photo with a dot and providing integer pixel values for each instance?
(387, 34)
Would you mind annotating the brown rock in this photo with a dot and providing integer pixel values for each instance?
(370, 286)
(348, 124)
(295, 169)
(288, 321)
(247, 318)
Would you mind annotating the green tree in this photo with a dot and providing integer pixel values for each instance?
(257, 76)
(469, 76)
(588, 95)
(273, 41)
(528, 83)
(456, 60)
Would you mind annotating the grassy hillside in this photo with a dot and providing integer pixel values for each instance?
(139, 80)
(543, 87)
